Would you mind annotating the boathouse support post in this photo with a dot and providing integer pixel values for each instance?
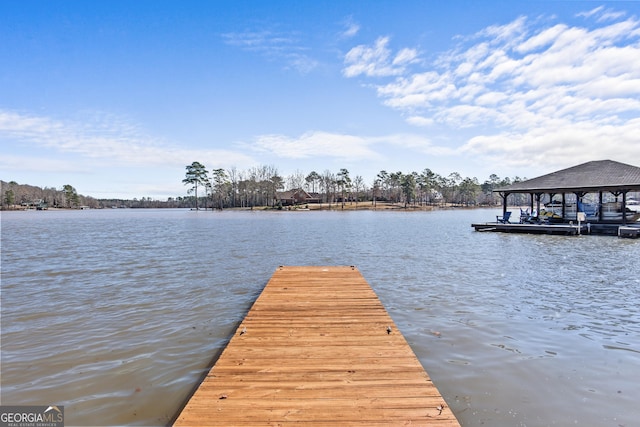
(600, 202)
(538, 198)
(531, 203)
(579, 196)
(564, 206)
(504, 203)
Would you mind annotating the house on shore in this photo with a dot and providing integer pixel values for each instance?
(295, 197)
(598, 190)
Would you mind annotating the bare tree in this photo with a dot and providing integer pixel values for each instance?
(220, 187)
(358, 186)
(328, 183)
(296, 180)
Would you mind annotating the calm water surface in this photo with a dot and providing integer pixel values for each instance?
(116, 314)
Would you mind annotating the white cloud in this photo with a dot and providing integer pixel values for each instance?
(561, 147)
(418, 90)
(508, 34)
(376, 60)
(417, 143)
(102, 138)
(262, 41)
(344, 147)
(590, 13)
(491, 98)
(610, 15)
(10, 162)
(351, 29)
(316, 144)
(420, 121)
(302, 63)
(542, 39)
(284, 47)
(405, 56)
(529, 92)
(602, 14)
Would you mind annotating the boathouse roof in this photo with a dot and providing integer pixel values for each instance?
(599, 175)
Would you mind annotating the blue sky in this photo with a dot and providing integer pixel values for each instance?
(117, 97)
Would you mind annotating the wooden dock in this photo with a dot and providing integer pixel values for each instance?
(629, 231)
(564, 229)
(317, 348)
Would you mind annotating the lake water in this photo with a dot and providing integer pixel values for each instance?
(116, 314)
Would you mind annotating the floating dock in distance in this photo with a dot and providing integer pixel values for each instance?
(565, 229)
(317, 347)
(629, 231)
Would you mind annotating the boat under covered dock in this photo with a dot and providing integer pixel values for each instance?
(591, 198)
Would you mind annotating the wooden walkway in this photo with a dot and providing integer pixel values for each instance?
(317, 348)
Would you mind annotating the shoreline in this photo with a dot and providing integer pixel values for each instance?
(361, 206)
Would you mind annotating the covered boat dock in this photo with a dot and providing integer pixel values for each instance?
(594, 195)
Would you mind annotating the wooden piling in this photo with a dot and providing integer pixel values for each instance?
(317, 347)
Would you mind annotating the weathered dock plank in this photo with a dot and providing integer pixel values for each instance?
(316, 348)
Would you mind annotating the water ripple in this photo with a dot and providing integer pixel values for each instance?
(117, 314)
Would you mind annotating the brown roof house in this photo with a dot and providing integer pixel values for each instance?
(295, 197)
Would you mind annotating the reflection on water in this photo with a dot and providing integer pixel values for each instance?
(117, 314)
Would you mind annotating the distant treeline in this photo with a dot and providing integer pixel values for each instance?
(24, 196)
(262, 186)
